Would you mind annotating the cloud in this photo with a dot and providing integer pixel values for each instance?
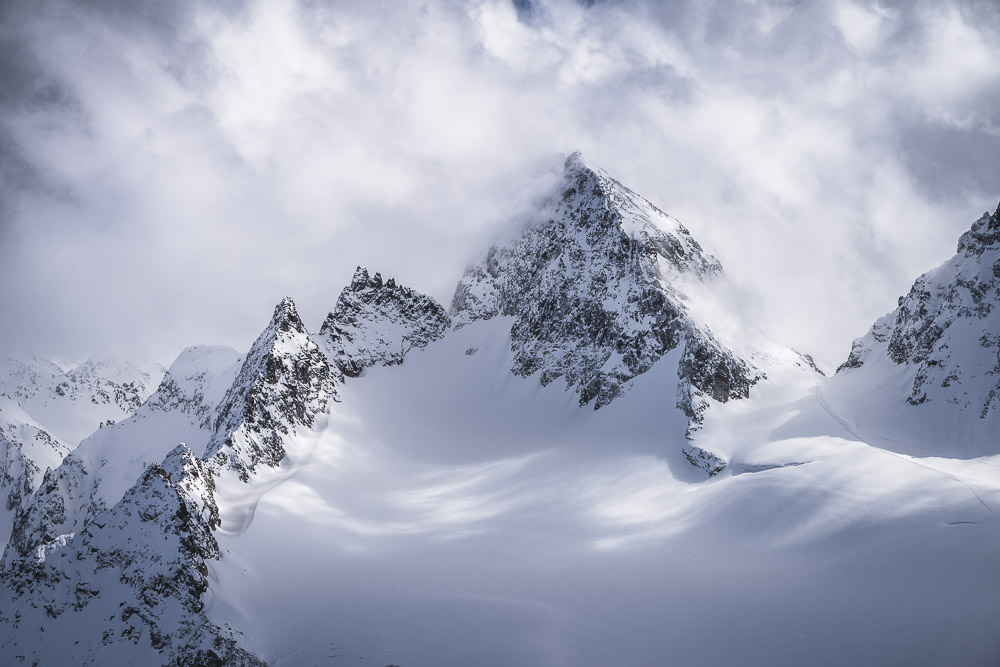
(171, 170)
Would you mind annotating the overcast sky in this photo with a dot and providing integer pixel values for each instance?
(170, 170)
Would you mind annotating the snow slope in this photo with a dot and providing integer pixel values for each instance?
(435, 519)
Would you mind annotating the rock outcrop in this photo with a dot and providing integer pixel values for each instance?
(285, 381)
(378, 322)
(946, 330)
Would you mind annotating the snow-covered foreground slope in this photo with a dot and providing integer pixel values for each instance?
(449, 513)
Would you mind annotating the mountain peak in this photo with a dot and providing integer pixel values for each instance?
(576, 162)
(944, 331)
(284, 382)
(596, 285)
(286, 317)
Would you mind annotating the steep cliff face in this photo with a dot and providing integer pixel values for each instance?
(376, 322)
(597, 286)
(26, 451)
(129, 587)
(946, 330)
(285, 381)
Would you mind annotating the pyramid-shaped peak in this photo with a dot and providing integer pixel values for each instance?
(286, 317)
(577, 164)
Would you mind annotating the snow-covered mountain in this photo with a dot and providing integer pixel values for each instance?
(27, 451)
(601, 285)
(73, 404)
(105, 465)
(285, 381)
(928, 373)
(376, 322)
(409, 486)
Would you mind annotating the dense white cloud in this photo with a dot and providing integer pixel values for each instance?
(170, 170)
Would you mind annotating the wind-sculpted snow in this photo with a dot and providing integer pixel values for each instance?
(596, 284)
(284, 383)
(946, 330)
(376, 322)
(129, 587)
(96, 474)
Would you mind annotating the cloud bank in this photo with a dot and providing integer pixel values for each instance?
(169, 171)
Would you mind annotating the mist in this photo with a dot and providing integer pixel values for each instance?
(169, 171)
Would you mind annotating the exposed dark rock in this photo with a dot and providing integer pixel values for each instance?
(378, 323)
(284, 383)
(595, 288)
(704, 459)
(944, 309)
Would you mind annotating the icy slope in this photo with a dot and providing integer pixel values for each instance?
(927, 375)
(601, 285)
(73, 404)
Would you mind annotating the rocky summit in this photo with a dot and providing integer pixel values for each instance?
(376, 322)
(596, 285)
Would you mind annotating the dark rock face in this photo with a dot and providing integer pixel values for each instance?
(707, 369)
(595, 286)
(26, 450)
(146, 559)
(284, 383)
(48, 513)
(947, 327)
(376, 322)
(74, 491)
(704, 459)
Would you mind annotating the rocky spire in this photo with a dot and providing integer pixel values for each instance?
(285, 381)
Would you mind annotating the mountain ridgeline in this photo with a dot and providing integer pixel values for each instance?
(595, 289)
(113, 541)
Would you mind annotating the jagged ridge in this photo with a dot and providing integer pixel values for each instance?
(284, 383)
(376, 322)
